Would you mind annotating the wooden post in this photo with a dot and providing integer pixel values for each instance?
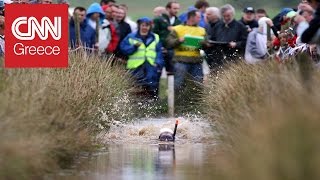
(171, 95)
(77, 29)
(269, 39)
(97, 30)
(268, 33)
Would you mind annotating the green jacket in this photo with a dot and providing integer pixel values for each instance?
(161, 25)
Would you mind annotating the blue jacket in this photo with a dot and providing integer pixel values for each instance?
(128, 49)
(184, 17)
(87, 34)
(96, 8)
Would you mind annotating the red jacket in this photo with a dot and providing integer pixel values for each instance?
(114, 39)
(114, 35)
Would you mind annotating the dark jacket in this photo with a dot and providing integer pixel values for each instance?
(124, 30)
(251, 24)
(211, 57)
(161, 25)
(209, 28)
(309, 34)
(87, 34)
(234, 31)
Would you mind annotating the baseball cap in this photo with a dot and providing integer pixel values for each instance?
(144, 20)
(248, 9)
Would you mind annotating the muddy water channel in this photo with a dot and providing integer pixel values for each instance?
(132, 151)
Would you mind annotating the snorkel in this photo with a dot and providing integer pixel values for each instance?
(175, 129)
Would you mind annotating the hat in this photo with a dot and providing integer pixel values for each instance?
(291, 14)
(144, 20)
(191, 8)
(285, 11)
(248, 9)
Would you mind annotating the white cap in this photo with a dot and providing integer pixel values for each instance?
(166, 130)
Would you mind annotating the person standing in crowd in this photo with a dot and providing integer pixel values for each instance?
(261, 13)
(2, 40)
(201, 6)
(96, 15)
(124, 30)
(158, 11)
(302, 21)
(256, 47)
(107, 2)
(231, 34)
(114, 35)
(87, 33)
(187, 58)
(173, 8)
(163, 25)
(115, 14)
(143, 49)
(312, 34)
(133, 25)
(248, 19)
(304, 17)
(213, 17)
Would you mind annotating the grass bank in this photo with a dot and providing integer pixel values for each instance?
(268, 120)
(49, 115)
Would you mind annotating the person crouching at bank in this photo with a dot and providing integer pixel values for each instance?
(145, 59)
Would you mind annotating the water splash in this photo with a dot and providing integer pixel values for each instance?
(146, 131)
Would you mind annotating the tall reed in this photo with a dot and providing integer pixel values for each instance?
(50, 115)
(268, 120)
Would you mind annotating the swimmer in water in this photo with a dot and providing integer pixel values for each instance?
(167, 134)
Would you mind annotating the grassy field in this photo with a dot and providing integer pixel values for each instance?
(138, 8)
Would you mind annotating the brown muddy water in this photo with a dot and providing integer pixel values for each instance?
(132, 151)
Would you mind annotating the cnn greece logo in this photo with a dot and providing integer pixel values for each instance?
(42, 29)
(36, 38)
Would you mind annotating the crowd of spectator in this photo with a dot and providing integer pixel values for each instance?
(180, 42)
